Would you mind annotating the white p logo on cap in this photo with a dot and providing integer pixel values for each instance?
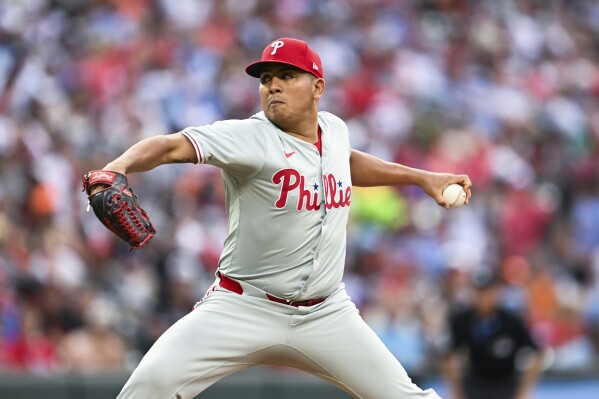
(277, 44)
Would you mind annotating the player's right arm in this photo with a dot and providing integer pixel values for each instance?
(152, 152)
(236, 146)
(452, 356)
(450, 369)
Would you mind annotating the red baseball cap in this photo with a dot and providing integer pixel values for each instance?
(291, 52)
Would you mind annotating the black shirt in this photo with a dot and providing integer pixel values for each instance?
(492, 341)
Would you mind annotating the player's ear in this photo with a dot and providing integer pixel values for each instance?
(319, 86)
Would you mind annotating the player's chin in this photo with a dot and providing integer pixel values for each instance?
(276, 116)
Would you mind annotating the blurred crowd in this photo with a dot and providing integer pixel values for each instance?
(505, 91)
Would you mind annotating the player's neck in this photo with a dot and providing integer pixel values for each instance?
(306, 130)
(313, 138)
(303, 126)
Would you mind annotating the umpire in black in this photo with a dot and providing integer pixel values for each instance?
(487, 344)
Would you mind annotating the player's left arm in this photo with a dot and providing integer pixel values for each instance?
(534, 365)
(370, 171)
(531, 375)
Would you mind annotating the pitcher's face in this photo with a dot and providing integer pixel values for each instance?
(288, 93)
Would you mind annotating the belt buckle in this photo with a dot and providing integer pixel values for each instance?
(309, 302)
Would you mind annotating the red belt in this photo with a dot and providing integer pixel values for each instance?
(234, 286)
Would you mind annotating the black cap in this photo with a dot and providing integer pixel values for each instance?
(484, 277)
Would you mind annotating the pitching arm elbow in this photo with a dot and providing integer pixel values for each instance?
(180, 150)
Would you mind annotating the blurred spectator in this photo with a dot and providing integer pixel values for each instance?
(493, 340)
(95, 346)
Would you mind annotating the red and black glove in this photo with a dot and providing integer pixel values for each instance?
(117, 207)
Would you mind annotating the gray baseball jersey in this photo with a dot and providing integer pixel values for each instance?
(287, 205)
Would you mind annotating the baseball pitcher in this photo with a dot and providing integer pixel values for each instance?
(278, 297)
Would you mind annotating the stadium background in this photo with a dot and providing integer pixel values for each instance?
(505, 91)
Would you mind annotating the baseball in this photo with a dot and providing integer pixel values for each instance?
(455, 195)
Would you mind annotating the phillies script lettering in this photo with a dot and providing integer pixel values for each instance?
(335, 196)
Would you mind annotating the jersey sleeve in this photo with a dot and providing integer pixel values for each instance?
(236, 146)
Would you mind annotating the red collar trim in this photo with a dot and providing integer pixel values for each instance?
(318, 144)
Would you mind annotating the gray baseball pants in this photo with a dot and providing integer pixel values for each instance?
(228, 332)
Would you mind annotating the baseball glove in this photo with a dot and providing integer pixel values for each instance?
(117, 207)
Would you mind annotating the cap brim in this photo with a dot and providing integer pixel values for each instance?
(255, 68)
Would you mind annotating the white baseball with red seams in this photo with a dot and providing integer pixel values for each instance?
(455, 195)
